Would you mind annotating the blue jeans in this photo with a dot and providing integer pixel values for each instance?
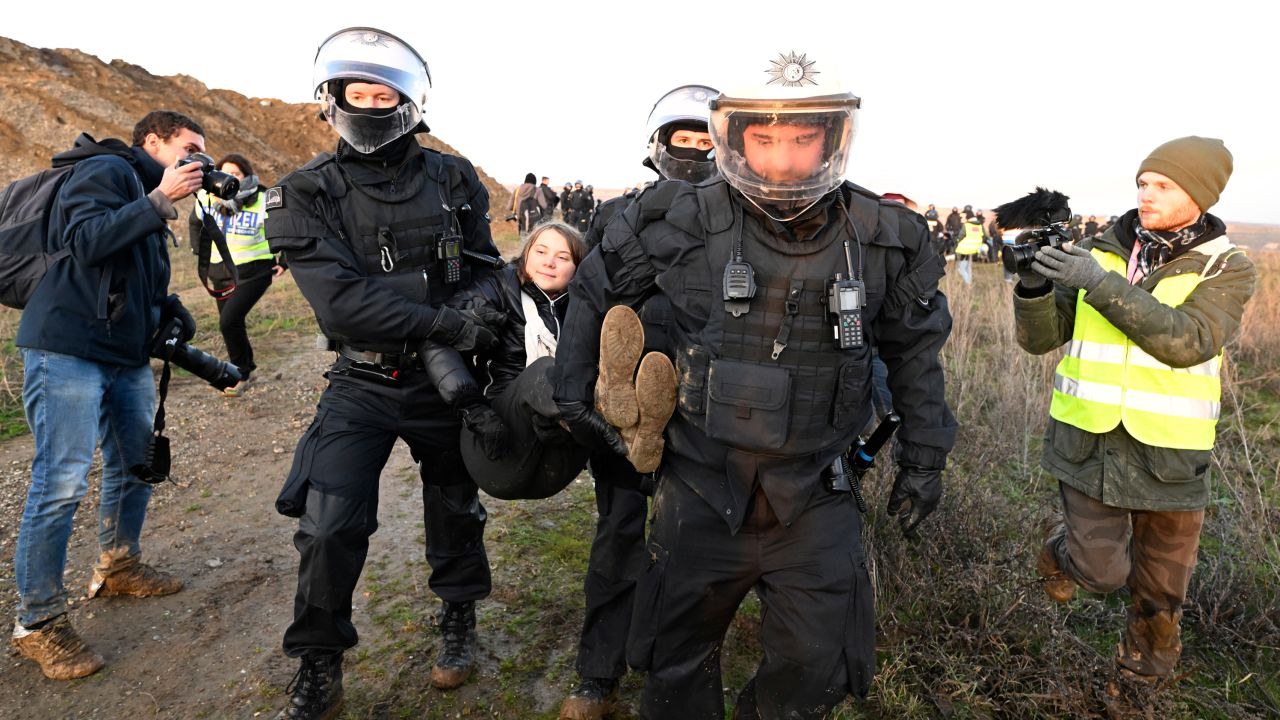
(71, 405)
(964, 264)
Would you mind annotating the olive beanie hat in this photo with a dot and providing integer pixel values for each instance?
(1200, 166)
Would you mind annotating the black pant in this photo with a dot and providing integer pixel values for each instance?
(531, 467)
(336, 468)
(817, 621)
(617, 559)
(254, 279)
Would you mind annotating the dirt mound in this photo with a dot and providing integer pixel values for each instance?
(47, 97)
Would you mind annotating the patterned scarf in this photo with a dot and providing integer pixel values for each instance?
(1160, 246)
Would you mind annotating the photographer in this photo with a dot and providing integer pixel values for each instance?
(1146, 309)
(85, 338)
(241, 219)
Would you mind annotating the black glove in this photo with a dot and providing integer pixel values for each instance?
(174, 310)
(922, 487)
(589, 428)
(467, 330)
(481, 419)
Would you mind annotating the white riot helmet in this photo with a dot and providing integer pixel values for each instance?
(684, 108)
(369, 55)
(783, 137)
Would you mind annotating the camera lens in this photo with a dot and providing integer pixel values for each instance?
(218, 373)
(1018, 258)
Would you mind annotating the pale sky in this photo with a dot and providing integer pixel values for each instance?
(963, 102)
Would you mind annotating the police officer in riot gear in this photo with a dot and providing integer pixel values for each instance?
(374, 234)
(679, 149)
(781, 278)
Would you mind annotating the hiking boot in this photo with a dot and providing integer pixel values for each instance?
(119, 574)
(1150, 646)
(457, 657)
(58, 649)
(315, 692)
(621, 343)
(656, 400)
(1057, 585)
(594, 698)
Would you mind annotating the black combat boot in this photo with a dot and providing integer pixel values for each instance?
(316, 690)
(593, 699)
(458, 655)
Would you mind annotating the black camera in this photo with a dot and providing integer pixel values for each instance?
(168, 345)
(215, 182)
(1044, 215)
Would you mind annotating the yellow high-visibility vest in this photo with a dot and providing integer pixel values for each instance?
(245, 231)
(1105, 379)
(972, 242)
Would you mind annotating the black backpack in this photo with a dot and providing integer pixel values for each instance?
(25, 208)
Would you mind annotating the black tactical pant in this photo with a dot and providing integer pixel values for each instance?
(340, 459)
(617, 559)
(817, 621)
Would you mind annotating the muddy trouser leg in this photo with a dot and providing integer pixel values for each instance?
(1095, 550)
(452, 512)
(817, 623)
(1164, 554)
(696, 577)
(341, 456)
(617, 559)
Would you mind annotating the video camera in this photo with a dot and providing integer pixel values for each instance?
(1045, 214)
(215, 182)
(168, 345)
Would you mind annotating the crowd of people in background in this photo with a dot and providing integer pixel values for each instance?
(535, 203)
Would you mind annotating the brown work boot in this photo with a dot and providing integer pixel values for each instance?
(621, 343)
(656, 399)
(58, 649)
(1057, 585)
(593, 699)
(458, 655)
(119, 574)
(1150, 646)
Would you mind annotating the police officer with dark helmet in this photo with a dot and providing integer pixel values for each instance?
(374, 234)
(679, 149)
(781, 277)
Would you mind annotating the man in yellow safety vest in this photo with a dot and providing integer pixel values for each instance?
(1145, 310)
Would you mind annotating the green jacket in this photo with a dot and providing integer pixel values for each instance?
(1114, 468)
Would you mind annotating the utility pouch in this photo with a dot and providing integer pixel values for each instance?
(691, 371)
(852, 392)
(748, 405)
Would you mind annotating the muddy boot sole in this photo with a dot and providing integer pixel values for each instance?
(656, 400)
(621, 344)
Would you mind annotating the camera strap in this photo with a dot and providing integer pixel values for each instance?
(155, 464)
(210, 235)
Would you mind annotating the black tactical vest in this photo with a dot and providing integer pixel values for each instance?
(810, 395)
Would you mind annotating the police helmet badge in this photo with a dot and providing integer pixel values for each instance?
(792, 70)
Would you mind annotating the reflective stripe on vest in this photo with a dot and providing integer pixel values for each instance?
(1105, 379)
(246, 236)
(972, 242)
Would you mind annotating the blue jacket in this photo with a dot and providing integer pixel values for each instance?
(103, 302)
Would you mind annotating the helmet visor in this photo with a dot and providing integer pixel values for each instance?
(367, 131)
(691, 170)
(783, 153)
